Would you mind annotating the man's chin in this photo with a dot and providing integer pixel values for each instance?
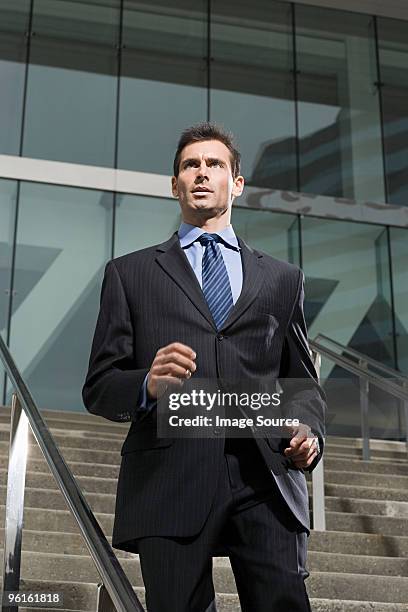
(204, 208)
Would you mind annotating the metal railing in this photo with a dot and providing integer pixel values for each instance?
(321, 339)
(369, 372)
(115, 592)
(365, 369)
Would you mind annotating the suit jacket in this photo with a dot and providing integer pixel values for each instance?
(151, 298)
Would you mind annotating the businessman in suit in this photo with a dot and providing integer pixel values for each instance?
(205, 304)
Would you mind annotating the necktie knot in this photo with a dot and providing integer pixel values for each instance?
(205, 238)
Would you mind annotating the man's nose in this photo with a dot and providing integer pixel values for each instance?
(202, 170)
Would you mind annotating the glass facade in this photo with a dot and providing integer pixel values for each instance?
(163, 80)
(393, 57)
(252, 87)
(8, 198)
(340, 150)
(317, 98)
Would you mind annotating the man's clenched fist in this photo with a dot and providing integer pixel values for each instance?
(173, 364)
(303, 446)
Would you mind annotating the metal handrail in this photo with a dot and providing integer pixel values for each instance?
(366, 378)
(360, 356)
(349, 365)
(112, 575)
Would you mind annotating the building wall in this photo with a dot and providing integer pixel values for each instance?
(397, 9)
(94, 97)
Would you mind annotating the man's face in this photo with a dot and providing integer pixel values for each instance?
(205, 186)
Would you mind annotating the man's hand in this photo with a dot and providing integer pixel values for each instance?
(303, 446)
(173, 364)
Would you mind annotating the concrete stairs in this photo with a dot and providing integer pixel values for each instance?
(360, 563)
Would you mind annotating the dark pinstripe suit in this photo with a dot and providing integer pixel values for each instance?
(151, 298)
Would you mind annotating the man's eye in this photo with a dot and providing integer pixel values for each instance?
(190, 163)
(215, 163)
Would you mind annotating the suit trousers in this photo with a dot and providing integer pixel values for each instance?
(249, 522)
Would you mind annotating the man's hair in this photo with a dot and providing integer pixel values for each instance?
(208, 131)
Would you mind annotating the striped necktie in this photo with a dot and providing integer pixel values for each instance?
(216, 285)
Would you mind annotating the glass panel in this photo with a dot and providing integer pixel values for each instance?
(144, 221)
(267, 231)
(8, 194)
(252, 87)
(71, 90)
(399, 257)
(393, 51)
(13, 25)
(348, 286)
(63, 243)
(339, 120)
(163, 80)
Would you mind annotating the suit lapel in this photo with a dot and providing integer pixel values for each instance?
(173, 260)
(251, 282)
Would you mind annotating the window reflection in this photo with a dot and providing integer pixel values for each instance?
(58, 274)
(72, 84)
(252, 90)
(399, 253)
(8, 193)
(338, 106)
(163, 80)
(393, 53)
(14, 17)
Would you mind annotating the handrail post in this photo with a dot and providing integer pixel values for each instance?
(103, 601)
(318, 503)
(405, 410)
(15, 502)
(365, 429)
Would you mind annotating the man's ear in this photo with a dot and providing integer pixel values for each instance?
(174, 189)
(238, 186)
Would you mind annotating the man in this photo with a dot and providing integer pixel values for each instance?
(204, 304)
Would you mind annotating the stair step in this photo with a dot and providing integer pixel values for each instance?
(73, 454)
(41, 480)
(375, 443)
(80, 568)
(341, 605)
(326, 585)
(361, 544)
(53, 499)
(373, 480)
(104, 484)
(372, 507)
(400, 460)
(98, 424)
(342, 521)
(45, 519)
(81, 439)
(351, 451)
(99, 470)
(358, 543)
(359, 492)
(373, 467)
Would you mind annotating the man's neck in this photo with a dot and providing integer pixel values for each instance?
(212, 226)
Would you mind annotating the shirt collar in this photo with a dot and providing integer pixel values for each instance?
(188, 234)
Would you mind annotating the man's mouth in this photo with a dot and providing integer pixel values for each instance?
(201, 191)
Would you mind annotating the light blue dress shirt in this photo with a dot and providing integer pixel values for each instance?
(231, 252)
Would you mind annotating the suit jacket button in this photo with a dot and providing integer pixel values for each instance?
(220, 337)
(217, 431)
